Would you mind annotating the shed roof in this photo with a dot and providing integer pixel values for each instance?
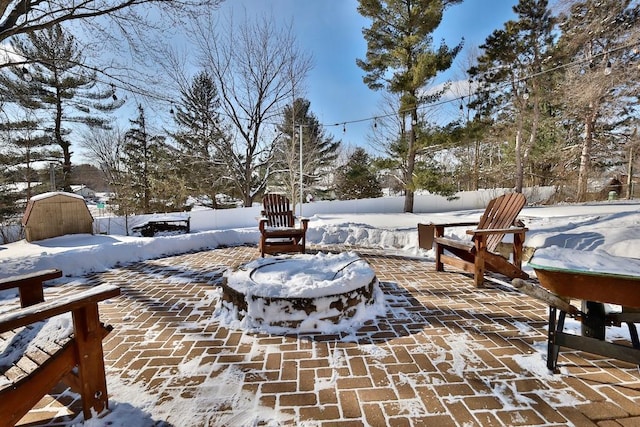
(52, 194)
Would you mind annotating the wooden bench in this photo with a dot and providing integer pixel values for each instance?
(30, 285)
(37, 355)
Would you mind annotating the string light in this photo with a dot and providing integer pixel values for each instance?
(26, 75)
(607, 71)
(633, 46)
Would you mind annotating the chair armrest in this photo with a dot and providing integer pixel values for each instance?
(305, 223)
(454, 224)
(44, 310)
(427, 232)
(511, 230)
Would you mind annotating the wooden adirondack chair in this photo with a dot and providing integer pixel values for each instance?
(40, 362)
(278, 231)
(479, 254)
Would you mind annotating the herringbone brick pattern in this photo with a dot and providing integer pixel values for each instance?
(446, 354)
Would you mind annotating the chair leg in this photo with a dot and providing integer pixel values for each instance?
(479, 267)
(478, 274)
(302, 243)
(438, 250)
(518, 244)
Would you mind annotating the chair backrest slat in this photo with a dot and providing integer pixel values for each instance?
(276, 209)
(501, 212)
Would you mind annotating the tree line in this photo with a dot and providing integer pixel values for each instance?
(550, 99)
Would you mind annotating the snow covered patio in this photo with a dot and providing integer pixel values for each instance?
(446, 354)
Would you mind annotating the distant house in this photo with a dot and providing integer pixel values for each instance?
(18, 187)
(56, 214)
(84, 191)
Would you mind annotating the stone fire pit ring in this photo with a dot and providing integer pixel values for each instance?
(304, 292)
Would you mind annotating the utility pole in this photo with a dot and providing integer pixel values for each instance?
(52, 176)
(630, 175)
(301, 188)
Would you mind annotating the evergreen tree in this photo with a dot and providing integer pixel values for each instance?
(600, 89)
(61, 91)
(199, 158)
(141, 159)
(25, 146)
(401, 57)
(513, 88)
(10, 209)
(319, 151)
(355, 180)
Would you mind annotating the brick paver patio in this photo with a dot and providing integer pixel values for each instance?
(446, 354)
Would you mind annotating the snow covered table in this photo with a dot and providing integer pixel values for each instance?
(306, 293)
(611, 282)
(164, 224)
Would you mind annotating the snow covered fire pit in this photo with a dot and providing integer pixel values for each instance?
(306, 293)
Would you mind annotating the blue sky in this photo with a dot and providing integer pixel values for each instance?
(331, 30)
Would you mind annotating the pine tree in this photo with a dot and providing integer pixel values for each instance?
(513, 88)
(199, 157)
(62, 91)
(600, 90)
(355, 180)
(9, 206)
(25, 146)
(401, 57)
(319, 151)
(141, 160)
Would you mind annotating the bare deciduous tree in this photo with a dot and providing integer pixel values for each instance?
(257, 67)
(601, 88)
(25, 16)
(104, 147)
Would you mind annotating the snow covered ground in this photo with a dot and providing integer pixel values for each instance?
(600, 236)
(606, 234)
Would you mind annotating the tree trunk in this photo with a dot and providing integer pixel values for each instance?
(518, 157)
(630, 175)
(532, 137)
(585, 157)
(476, 166)
(411, 162)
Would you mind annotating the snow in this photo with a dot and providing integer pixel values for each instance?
(56, 193)
(55, 331)
(302, 276)
(602, 237)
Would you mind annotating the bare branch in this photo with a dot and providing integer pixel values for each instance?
(24, 16)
